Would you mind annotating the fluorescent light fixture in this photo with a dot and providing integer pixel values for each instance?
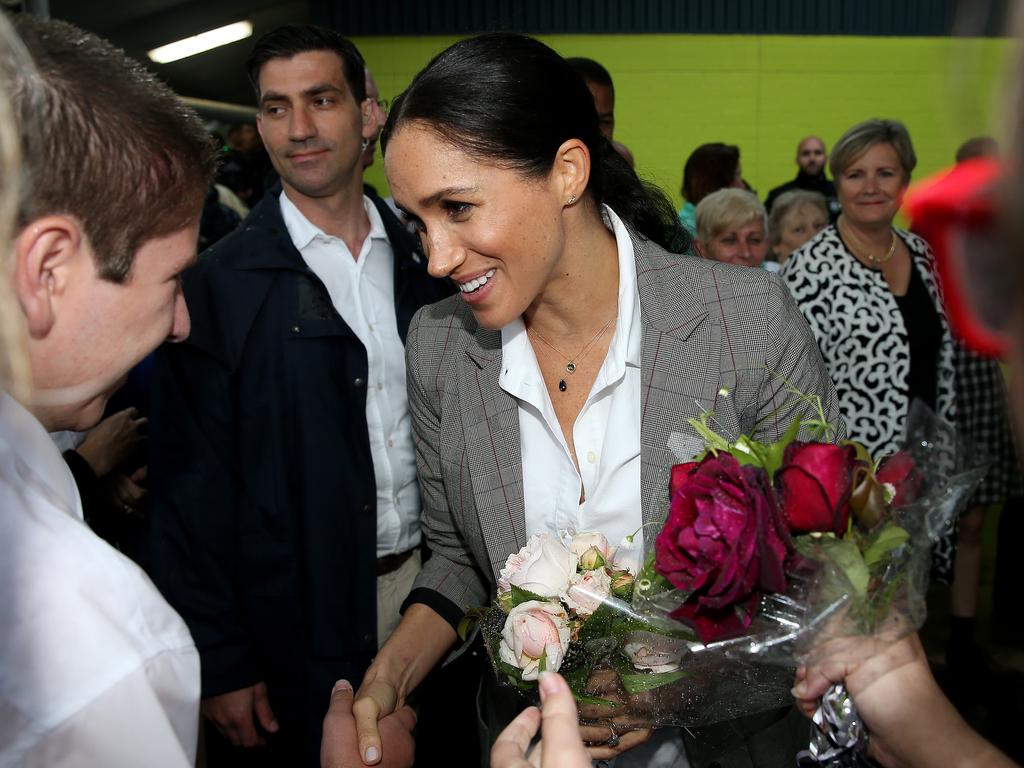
(204, 41)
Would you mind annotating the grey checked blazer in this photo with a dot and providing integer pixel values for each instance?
(715, 337)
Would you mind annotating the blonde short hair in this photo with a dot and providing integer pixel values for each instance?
(730, 208)
(14, 373)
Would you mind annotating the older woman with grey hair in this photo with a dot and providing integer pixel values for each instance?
(796, 217)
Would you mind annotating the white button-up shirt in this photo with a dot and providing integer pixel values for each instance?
(362, 290)
(606, 434)
(97, 668)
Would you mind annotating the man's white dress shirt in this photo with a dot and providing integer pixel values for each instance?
(96, 669)
(362, 291)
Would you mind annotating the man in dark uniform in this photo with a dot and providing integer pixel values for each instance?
(812, 158)
(285, 502)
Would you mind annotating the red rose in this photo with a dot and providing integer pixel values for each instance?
(814, 486)
(723, 543)
(679, 474)
(900, 471)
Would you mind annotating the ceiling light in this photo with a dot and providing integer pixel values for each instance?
(204, 41)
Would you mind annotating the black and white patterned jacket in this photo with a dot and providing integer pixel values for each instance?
(862, 337)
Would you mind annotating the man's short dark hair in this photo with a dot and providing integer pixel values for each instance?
(293, 39)
(591, 71)
(106, 142)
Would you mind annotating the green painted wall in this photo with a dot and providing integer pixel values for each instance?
(763, 93)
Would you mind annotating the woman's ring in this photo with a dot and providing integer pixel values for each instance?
(613, 740)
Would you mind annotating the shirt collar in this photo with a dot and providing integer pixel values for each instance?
(624, 350)
(302, 231)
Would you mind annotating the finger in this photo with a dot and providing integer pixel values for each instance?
(261, 706)
(140, 474)
(820, 677)
(367, 712)
(627, 740)
(509, 749)
(245, 732)
(558, 716)
(406, 718)
(131, 493)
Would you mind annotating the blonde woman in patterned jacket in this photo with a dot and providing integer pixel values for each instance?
(869, 293)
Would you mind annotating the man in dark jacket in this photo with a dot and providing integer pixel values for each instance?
(285, 503)
(811, 157)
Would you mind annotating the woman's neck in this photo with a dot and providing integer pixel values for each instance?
(876, 236)
(583, 292)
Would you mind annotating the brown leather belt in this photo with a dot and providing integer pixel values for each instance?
(391, 563)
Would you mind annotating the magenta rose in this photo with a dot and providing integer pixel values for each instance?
(900, 472)
(724, 543)
(814, 486)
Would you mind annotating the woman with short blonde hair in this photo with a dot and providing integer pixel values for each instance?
(731, 228)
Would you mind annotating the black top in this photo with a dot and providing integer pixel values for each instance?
(924, 336)
(817, 183)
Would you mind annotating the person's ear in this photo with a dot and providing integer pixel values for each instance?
(698, 247)
(45, 254)
(571, 171)
(369, 124)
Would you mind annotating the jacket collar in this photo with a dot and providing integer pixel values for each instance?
(669, 302)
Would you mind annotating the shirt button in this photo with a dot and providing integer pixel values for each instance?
(397, 499)
(295, 329)
(359, 382)
(380, 386)
(391, 443)
(591, 457)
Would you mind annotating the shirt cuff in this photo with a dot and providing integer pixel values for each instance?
(437, 602)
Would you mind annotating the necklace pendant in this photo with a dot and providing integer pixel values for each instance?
(571, 367)
(561, 385)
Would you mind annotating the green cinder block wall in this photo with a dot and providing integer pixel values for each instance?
(763, 93)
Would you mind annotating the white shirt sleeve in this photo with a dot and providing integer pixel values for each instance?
(150, 717)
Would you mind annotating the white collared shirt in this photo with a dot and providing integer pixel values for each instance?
(362, 291)
(97, 668)
(606, 434)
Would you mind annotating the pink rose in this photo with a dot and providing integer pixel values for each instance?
(724, 544)
(814, 486)
(533, 630)
(542, 567)
(587, 591)
(591, 549)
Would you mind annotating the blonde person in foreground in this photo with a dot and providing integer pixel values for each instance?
(95, 668)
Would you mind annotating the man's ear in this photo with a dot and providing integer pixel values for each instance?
(369, 124)
(572, 169)
(45, 253)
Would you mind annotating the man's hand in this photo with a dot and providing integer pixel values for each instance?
(609, 730)
(233, 714)
(340, 745)
(128, 492)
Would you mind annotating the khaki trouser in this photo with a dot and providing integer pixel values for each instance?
(392, 589)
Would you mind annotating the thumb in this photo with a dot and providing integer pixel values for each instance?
(261, 706)
(341, 700)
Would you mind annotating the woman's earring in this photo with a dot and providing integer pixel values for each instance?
(366, 143)
(571, 200)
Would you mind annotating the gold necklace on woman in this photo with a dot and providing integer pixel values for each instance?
(570, 364)
(874, 262)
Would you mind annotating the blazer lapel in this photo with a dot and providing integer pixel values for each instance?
(490, 422)
(680, 370)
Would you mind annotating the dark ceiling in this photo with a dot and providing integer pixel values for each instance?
(140, 25)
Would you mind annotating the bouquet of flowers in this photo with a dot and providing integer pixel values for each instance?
(767, 550)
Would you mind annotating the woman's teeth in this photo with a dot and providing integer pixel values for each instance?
(472, 285)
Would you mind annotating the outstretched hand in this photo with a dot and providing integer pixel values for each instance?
(560, 745)
(342, 744)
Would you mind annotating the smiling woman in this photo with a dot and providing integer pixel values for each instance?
(544, 396)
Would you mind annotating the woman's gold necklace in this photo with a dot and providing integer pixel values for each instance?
(873, 261)
(570, 365)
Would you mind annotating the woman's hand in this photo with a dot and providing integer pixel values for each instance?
(910, 720)
(608, 730)
(338, 748)
(560, 745)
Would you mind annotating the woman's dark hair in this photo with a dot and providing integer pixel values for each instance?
(511, 101)
(709, 168)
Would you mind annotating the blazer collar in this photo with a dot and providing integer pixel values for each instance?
(669, 302)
